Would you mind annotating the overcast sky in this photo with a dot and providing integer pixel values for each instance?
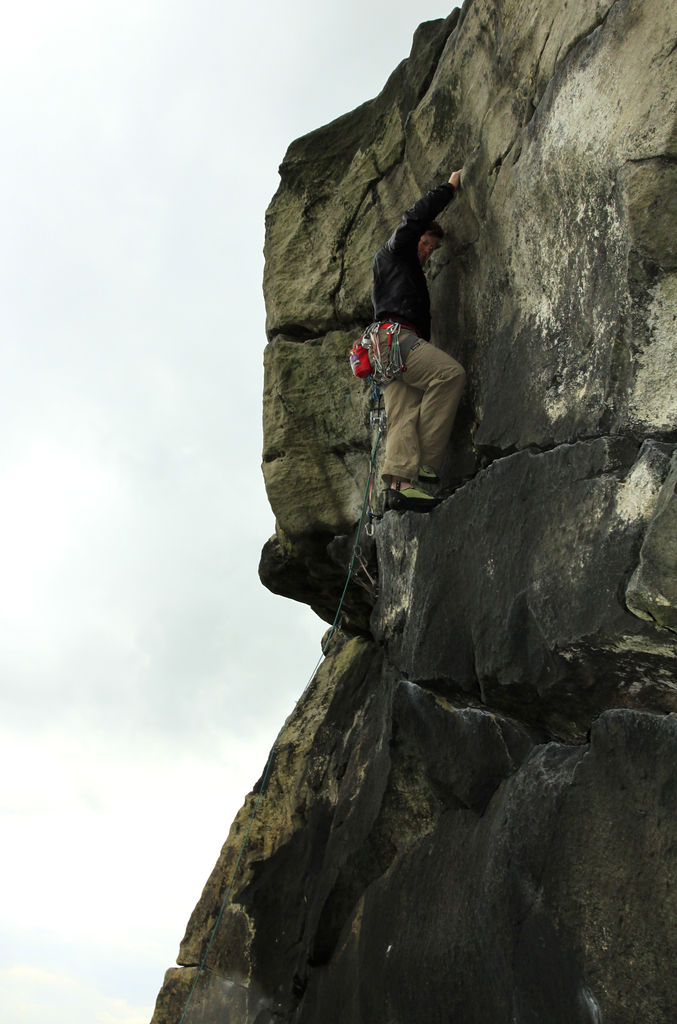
(144, 670)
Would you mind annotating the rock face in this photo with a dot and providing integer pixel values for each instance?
(471, 815)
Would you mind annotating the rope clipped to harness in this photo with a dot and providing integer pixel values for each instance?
(377, 421)
(368, 358)
(377, 414)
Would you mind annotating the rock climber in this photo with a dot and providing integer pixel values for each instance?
(421, 402)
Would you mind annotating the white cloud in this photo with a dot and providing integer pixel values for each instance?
(56, 998)
(49, 494)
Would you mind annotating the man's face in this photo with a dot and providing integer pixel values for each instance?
(427, 244)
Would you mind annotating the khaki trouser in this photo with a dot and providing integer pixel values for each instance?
(420, 407)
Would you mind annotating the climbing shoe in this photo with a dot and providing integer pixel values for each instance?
(410, 499)
(428, 475)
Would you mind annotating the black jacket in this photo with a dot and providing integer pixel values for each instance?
(400, 289)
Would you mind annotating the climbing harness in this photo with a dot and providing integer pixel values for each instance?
(336, 625)
(369, 359)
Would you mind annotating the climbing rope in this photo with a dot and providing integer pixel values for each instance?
(264, 780)
(377, 421)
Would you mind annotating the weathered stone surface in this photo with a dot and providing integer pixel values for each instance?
(512, 589)
(555, 905)
(315, 436)
(558, 289)
(471, 814)
(418, 861)
(652, 591)
(309, 572)
(365, 767)
(316, 453)
(552, 262)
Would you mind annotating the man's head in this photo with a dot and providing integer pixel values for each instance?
(430, 240)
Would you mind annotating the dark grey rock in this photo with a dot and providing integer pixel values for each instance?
(472, 819)
(512, 590)
(556, 904)
(442, 863)
(379, 769)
